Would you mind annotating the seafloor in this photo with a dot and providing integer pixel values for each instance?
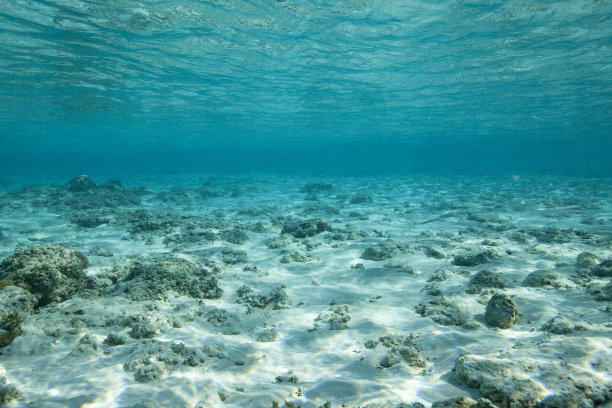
(269, 291)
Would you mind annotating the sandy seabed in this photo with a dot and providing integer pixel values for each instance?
(267, 290)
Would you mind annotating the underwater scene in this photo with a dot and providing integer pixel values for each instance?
(306, 203)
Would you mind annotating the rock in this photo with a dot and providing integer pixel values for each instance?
(317, 187)
(379, 252)
(603, 270)
(308, 228)
(501, 311)
(89, 222)
(475, 258)
(434, 251)
(459, 402)
(15, 305)
(337, 316)
(586, 261)
(153, 279)
(295, 255)
(115, 339)
(463, 402)
(360, 198)
(602, 293)
(560, 325)
(227, 323)
(234, 236)
(150, 360)
(232, 257)
(282, 241)
(51, 273)
(445, 313)
(143, 330)
(528, 383)
(441, 275)
(80, 184)
(489, 279)
(543, 278)
(267, 335)
(8, 392)
(499, 380)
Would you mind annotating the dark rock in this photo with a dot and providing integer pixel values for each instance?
(379, 252)
(151, 280)
(337, 316)
(15, 305)
(308, 228)
(51, 273)
(232, 257)
(543, 278)
(434, 251)
(501, 311)
(458, 402)
(89, 222)
(445, 313)
(8, 392)
(360, 198)
(489, 279)
(475, 258)
(80, 184)
(527, 383)
(603, 270)
(295, 255)
(560, 325)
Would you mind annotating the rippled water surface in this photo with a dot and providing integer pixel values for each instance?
(230, 72)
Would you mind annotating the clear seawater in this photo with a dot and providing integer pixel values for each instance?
(358, 85)
(305, 203)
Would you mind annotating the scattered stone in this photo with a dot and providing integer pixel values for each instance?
(308, 228)
(99, 251)
(143, 330)
(602, 293)
(585, 261)
(227, 323)
(152, 280)
(603, 270)
(88, 222)
(282, 241)
(15, 305)
(379, 252)
(151, 359)
(295, 255)
(441, 275)
(543, 278)
(115, 339)
(464, 402)
(434, 251)
(475, 258)
(560, 325)
(360, 198)
(317, 188)
(513, 384)
(446, 313)
(501, 311)
(8, 392)
(337, 316)
(81, 184)
(233, 256)
(267, 335)
(234, 236)
(51, 273)
(278, 298)
(489, 279)
(287, 378)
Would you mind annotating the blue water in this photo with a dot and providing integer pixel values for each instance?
(169, 86)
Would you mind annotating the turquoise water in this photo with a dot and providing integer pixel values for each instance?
(92, 86)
